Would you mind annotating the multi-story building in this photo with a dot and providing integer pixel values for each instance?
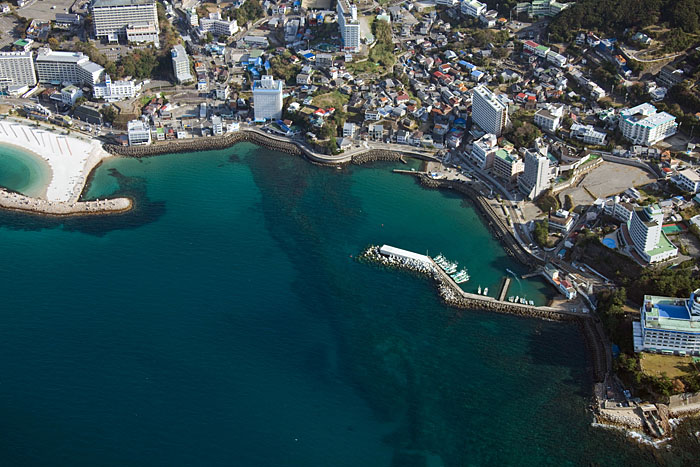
(56, 67)
(17, 69)
(507, 166)
(549, 117)
(618, 209)
(134, 20)
(668, 325)
(267, 98)
(644, 125)
(537, 8)
(217, 127)
(217, 26)
(688, 180)
(139, 132)
(536, 174)
(472, 8)
(488, 112)
(181, 64)
(588, 134)
(349, 25)
(484, 150)
(349, 130)
(561, 220)
(646, 235)
(113, 91)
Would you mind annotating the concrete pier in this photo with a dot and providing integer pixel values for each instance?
(504, 289)
(19, 202)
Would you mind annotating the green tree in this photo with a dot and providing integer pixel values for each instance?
(541, 233)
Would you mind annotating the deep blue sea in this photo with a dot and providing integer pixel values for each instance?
(225, 322)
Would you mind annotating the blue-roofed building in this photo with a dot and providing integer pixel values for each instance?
(477, 75)
(669, 325)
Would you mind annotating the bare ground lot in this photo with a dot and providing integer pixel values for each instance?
(672, 365)
(606, 180)
(41, 9)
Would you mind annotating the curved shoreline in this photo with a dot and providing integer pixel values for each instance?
(40, 160)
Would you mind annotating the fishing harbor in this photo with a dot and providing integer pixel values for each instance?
(444, 271)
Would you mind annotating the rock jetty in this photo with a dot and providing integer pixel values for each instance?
(19, 202)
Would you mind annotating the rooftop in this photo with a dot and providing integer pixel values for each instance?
(113, 3)
(669, 313)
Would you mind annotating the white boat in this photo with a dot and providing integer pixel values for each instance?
(486, 291)
(460, 277)
(516, 299)
(531, 303)
(479, 292)
(450, 268)
(510, 299)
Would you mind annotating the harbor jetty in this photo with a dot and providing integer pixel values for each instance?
(452, 294)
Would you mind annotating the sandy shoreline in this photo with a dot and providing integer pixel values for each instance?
(70, 160)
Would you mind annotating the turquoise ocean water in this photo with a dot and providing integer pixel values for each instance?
(225, 321)
(23, 172)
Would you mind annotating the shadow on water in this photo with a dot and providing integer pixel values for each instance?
(144, 211)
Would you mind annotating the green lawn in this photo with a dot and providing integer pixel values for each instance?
(334, 99)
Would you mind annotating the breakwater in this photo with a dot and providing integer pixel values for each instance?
(19, 202)
(376, 155)
(453, 295)
(498, 228)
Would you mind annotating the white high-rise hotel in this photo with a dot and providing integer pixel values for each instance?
(181, 64)
(56, 67)
(267, 98)
(535, 178)
(135, 20)
(488, 112)
(349, 26)
(17, 69)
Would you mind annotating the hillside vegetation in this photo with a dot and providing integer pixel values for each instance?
(614, 16)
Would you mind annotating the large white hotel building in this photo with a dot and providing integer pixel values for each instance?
(54, 67)
(488, 112)
(669, 325)
(17, 69)
(267, 98)
(644, 125)
(135, 20)
(349, 26)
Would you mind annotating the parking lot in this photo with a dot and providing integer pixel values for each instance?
(7, 24)
(41, 9)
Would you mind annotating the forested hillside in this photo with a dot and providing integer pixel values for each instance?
(614, 16)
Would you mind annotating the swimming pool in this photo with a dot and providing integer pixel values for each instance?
(610, 242)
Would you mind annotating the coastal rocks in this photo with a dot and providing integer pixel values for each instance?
(376, 155)
(20, 202)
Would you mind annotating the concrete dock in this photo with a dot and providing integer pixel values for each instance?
(504, 289)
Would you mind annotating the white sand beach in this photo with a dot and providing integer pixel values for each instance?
(71, 158)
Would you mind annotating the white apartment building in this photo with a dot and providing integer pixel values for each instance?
(349, 25)
(56, 67)
(192, 17)
(113, 91)
(668, 325)
(181, 64)
(549, 117)
(536, 174)
(446, 2)
(17, 69)
(618, 209)
(488, 112)
(687, 180)
(349, 130)
(267, 98)
(588, 134)
(217, 26)
(139, 133)
(484, 150)
(112, 18)
(217, 127)
(647, 237)
(644, 125)
(537, 8)
(473, 8)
